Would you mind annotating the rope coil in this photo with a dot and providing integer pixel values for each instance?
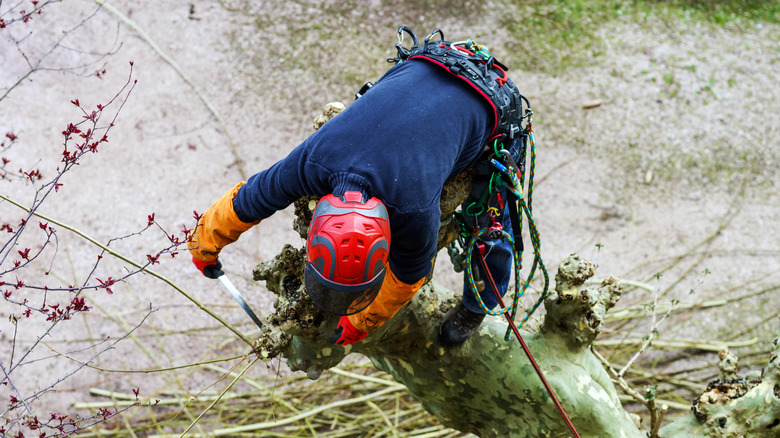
(514, 184)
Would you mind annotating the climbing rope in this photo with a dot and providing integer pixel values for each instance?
(506, 167)
(514, 183)
(511, 176)
(536, 367)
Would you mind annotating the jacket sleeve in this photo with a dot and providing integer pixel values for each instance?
(218, 227)
(393, 295)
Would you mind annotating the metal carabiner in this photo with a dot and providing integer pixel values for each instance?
(508, 157)
(508, 168)
(430, 35)
(402, 52)
(479, 212)
(528, 114)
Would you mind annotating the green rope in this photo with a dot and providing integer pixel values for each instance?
(525, 208)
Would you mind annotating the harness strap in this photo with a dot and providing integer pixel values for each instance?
(485, 74)
(514, 216)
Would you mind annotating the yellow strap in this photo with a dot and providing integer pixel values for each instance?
(218, 228)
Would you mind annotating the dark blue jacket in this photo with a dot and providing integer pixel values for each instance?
(415, 129)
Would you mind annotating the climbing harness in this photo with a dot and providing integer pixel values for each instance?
(507, 147)
(506, 152)
(474, 64)
(510, 141)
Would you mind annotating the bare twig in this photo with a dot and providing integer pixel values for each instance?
(216, 400)
(142, 267)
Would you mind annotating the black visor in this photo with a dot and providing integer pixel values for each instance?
(340, 299)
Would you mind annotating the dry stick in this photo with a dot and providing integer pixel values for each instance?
(186, 408)
(251, 382)
(625, 312)
(236, 379)
(155, 370)
(142, 346)
(698, 345)
(775, 315)
(709, 304)
(143, 268)
(384, 417)
(181, 73)
(621, 382)
(641, 375)
(356, 376)
(731, 214)
(177, 401)
(178, 379)
(736, 299)
(260, 426)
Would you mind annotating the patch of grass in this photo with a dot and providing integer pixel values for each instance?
(556, 35)
(727, 11)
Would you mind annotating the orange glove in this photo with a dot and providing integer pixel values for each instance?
(393, 295)
(219, 226)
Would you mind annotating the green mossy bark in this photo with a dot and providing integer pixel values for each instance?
(487, 385)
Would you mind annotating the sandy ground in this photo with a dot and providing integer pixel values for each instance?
(631, 213)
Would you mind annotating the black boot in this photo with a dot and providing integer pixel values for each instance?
(458, 324)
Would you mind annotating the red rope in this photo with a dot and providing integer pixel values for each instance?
(525, 347)
(501, 81)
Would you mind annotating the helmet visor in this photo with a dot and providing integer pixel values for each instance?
(340, 299)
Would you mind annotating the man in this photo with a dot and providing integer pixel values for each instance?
(380, 166)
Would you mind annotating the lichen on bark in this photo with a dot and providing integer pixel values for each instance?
(734, 406)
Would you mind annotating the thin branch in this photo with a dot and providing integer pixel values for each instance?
(22, 399)
(216, 400)
(94, 356)
(260, 426)
(143, 268)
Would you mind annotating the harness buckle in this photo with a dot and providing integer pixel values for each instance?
(495, 231)
(363, 90)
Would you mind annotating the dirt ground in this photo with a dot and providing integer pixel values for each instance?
(681, 147)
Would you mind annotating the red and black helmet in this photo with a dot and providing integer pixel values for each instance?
(346, 252)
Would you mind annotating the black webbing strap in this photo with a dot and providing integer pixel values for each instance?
(514, 216)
